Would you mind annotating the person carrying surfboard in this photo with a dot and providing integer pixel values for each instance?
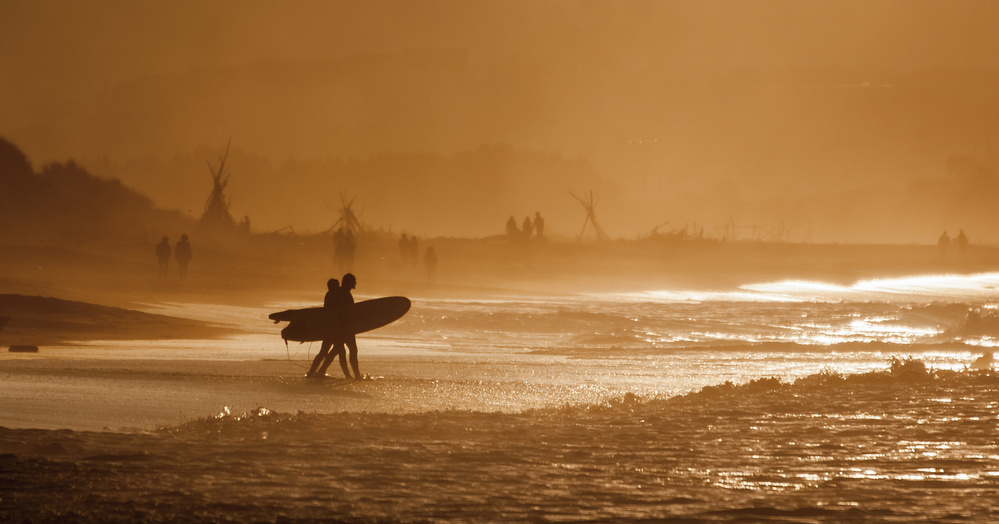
(349, 282)
(330, 348)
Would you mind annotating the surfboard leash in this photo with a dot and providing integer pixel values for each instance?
(308, 354)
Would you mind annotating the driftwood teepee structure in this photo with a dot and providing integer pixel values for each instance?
(591, 218)
(216, 215)
(347, 220)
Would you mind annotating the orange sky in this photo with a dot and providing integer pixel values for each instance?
(769, 99)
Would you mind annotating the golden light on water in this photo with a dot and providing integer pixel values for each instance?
(975, 286)
(733, 342)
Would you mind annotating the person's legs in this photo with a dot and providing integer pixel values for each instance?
(352, 346)
(318, 361)
(342, 353)
(336, 351)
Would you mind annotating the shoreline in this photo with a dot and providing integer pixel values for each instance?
(266, 269)
(118, 390)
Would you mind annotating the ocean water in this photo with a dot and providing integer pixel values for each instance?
(787, 401)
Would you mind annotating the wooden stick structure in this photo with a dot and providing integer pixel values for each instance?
(591, 218)
(217, 206)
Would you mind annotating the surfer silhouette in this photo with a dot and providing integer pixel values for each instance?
(182, 252)
(163, 255)
(349, 282)
(330, 348)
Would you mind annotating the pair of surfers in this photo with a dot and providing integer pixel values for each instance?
(337, 299)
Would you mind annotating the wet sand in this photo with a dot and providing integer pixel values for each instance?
(875, 447)
(121, 394)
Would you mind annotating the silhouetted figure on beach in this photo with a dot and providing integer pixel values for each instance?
(163, 252)
(344, 247)
(961, 242)
(414, 251)
(351, 250)
(347, 283)
(528, 227)
(183, 255)
(430, 261)
(943, 243)
(539, 225)
(511, 228)
(338, 241)
(404, 249)
(330, 348)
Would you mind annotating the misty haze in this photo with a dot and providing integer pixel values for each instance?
(499, 261)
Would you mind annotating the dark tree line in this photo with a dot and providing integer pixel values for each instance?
(64, 202)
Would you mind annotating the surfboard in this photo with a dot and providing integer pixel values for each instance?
(317, 323)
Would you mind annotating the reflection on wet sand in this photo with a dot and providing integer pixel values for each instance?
(896, 445)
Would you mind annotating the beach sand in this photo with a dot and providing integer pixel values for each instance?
(122, 394)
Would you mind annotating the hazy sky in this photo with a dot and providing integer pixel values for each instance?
(661, 98)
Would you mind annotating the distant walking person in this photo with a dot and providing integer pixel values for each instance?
(511, 228)
(414, 251)
(962, 242)
(539, 225)
(183, 255)
(349, 248)
(430, 260)
(344, 246)
(404, 249)
(163, 252)
(943, 243)
(528, 227)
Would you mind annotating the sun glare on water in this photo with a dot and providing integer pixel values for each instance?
(922, 287)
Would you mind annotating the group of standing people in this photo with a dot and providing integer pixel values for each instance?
(536, 228)
(409, 254)
(338, 298)
(181, 252)
(944, 242)
(409, 250)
